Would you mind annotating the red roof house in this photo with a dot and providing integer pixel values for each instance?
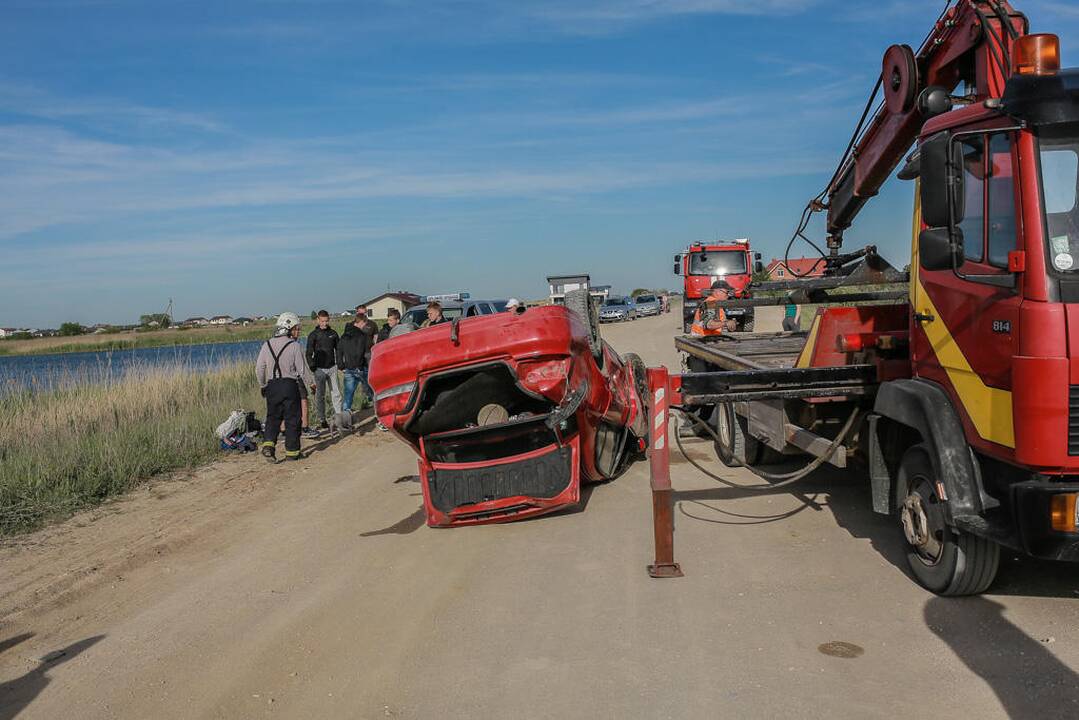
(795, 269)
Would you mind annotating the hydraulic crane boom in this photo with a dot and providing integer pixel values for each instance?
(970, 43)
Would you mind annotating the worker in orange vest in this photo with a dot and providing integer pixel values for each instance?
(709, 319)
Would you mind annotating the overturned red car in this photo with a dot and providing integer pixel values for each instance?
(510, 413)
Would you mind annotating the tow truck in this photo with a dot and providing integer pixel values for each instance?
(960, 405)
(703, 263)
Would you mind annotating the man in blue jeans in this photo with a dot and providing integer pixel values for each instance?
(353, 352)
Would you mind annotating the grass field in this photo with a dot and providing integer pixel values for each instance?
(128, 340)
(67, 449)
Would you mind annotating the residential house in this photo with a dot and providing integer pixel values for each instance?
(221, 320)
(195, 322)
(7, 332)
(796, 268)
(559, 285)
(400, 299)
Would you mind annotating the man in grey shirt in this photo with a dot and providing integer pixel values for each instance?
(280, 369)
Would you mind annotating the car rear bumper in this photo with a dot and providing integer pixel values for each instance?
(502, 490)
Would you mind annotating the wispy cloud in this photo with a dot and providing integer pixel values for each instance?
(25, 100)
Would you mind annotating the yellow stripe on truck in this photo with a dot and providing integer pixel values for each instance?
(806, 356)
(989, 409)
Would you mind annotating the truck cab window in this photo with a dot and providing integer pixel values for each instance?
(1001, 231)
(1059, 154)
(973, 222)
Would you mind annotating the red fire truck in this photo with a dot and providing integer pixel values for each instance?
(702, 263)
(962, 405)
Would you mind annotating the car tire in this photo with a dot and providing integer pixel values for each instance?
(944, 560)
(580, 302)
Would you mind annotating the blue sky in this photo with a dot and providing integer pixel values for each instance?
(261, 155)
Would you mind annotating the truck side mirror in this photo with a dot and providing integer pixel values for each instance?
(757, 257)
(939, 249)
(942, 181)
(677, 264)
(758, 266)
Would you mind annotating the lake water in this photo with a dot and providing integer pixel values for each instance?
(44, 372)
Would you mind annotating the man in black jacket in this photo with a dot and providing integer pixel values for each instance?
(353, 353)
(322, 359)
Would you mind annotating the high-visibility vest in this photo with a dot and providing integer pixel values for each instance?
(713, 313)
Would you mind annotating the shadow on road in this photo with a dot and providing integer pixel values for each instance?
(1028, 679)
(17, 694)
(14, 640)
(405, 526)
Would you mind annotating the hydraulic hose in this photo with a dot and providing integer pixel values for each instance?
(783, 478)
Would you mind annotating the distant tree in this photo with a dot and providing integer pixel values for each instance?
(20, 336)
(761, 276)
(640, 291)
(161, 319)
(314, 314)
(70, 329)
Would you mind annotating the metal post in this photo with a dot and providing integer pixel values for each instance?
(659, 462)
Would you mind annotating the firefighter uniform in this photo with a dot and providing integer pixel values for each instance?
(709, 319)
(281, 368)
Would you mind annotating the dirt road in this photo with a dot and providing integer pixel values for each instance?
(313, 590)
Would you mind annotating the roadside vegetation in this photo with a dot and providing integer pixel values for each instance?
(63, 450)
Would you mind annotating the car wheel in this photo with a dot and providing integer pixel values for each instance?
(943, 559)
(580, 302)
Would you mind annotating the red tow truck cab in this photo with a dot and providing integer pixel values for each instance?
(509, 413)
(701, 264)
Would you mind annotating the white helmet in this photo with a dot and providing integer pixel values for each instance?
(285, 322)
(512, 303)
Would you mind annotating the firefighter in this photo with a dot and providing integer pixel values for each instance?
(282, 370)
(709, 319)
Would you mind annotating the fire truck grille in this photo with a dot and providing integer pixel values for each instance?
(1073, 420)
(539, 477)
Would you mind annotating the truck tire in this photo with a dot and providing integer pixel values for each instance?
(580, 302)
(943, 559)
(687, 327)
(747, 326)
(644, 395)
(733, 445)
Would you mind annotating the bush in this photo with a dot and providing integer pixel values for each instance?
(70, 329)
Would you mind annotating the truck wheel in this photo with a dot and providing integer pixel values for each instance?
(687, 328)
(580, 302)
(747, 326)
(733, 445)
(943, 559)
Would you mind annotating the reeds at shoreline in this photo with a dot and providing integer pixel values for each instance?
(66, 449)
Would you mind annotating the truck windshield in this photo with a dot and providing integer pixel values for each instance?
(717, 262)
(1060, 187)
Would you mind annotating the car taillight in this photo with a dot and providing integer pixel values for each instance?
(544, 376)
(393, 401)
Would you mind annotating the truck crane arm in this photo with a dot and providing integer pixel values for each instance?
(971, 43)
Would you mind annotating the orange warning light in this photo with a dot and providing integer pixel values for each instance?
(1037, 54)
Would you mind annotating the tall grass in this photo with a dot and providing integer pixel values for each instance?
(62, 450)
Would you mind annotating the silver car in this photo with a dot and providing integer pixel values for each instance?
(617, 309)
(647, 305)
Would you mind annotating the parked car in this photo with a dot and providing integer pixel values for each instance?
(510, 412)
(454, 310)
(617, 309)
(647, 305)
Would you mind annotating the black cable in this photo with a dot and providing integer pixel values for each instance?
(815, 205)
(998, 57)
(783, 478)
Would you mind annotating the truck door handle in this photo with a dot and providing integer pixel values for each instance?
(923, 317)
